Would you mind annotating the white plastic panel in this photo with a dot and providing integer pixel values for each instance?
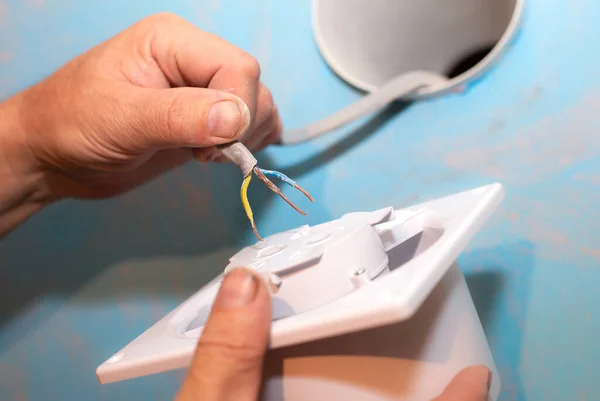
(361, 271)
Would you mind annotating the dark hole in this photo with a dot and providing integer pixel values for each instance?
(468, 61)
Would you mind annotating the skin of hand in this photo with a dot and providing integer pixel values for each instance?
(228, 361)
(145, 101)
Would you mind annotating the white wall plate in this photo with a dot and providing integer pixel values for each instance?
(361, 271)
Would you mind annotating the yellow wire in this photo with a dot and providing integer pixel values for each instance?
(244, 195)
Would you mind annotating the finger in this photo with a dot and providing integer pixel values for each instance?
(261, 126)
(264, 108)
(471, 384)
(252, 143)
(180, 117)
(253, 140)
(217, 157)
(271, 133)
(189, 56)
(157, 164)
(205, 155)
(274, 136)
(228, 361)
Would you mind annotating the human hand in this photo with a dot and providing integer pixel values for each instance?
(228, 361)
(137, 105)
(470, 384)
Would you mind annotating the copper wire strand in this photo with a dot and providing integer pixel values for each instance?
(279, 175)
(299, 188)
(276, 189)
(256, 233)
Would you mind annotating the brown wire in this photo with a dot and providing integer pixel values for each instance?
(299, 188)
(256, 233)
(276, 189)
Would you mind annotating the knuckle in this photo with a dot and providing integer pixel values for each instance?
(163, 18)
(267, 99)
(250, 67)
(172, 116)
(159, 23)
(272, 137)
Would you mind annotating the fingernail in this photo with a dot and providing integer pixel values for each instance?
(489, 380)
(239, 288)
(227, 118)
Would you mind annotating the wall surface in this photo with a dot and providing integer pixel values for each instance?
(82, 279)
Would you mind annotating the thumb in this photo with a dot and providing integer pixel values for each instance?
(185, 117)
(470, 384)
(228, 361)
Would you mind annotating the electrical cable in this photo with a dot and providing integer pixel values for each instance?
(238, 153)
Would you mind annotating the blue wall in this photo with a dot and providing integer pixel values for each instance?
(81, 279)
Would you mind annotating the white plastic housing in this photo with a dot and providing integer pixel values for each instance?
(362, 271)
(369, 43)
(317, 265)
(411, 360)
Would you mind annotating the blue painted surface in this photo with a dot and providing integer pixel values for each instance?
(80, 280)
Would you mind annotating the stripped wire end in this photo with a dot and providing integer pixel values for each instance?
(299, 188)
(287, 180)
(256, 232)
(243, 158)
(274, 188)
